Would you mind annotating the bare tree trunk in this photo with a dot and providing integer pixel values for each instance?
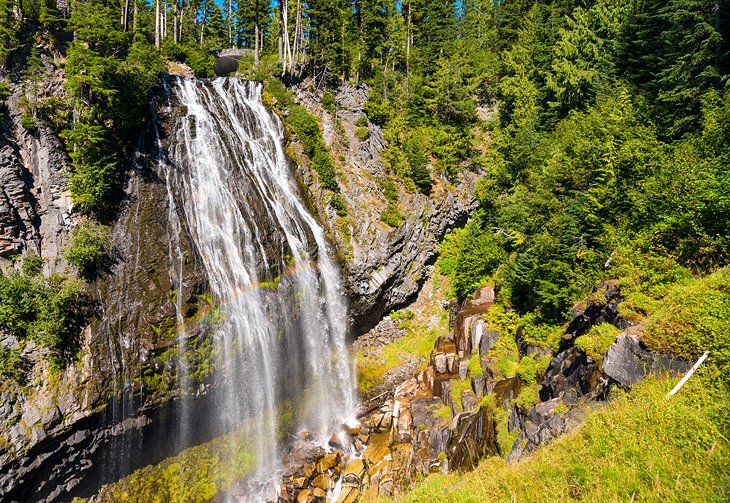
(299, 36)
(230, 23)
(285, 33)
(125, 15)
(157, 23)
(164, 19)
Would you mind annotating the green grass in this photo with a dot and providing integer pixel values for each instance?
(641, 447)
(694, 317)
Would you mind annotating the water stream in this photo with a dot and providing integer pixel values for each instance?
(281, 339)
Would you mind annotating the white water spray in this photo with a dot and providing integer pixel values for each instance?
(283, 338)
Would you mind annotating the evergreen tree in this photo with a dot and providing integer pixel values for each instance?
(8, 30)
(690, 67)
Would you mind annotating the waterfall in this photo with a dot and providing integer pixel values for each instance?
(282, 329)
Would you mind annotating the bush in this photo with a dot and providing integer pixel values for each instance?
(597, 340)
(363, 133)
(88, 246)
(377, 112)
(337, 203)
(49, 310)
(306, 127)
(391, 215)
(328, 102)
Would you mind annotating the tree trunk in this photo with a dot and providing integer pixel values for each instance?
(157, 23)
(125, 15)
(230, 23)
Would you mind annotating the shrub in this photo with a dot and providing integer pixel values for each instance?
(597, 340)
(88, 246)
(391, 215)
(363, 133)
(337, 203)
(49, 310)
(306, 127)
(328, 102)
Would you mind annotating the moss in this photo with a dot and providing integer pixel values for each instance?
(443, 413)
(597, 340)
(560, 408)
(197, 474)
(475, 364)
(529, 396)
(505, 438)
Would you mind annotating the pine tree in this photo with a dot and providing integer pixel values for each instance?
(690, 63)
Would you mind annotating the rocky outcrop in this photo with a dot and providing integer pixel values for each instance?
(383, 266)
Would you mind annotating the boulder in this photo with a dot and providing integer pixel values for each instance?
(627, 361)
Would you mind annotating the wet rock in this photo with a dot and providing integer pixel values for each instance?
(329, 462)
(322, 481)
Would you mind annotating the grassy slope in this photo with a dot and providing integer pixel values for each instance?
(641, 447)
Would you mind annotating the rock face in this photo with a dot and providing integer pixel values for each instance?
(383, 266)
(35, 207)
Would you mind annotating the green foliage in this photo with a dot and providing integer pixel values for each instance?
(337, 202)
(9, 27)
(48, 310)
(534, 332)
(11, 364)
(328, 102)
(392, 215)
(597, 340)
(363, 133)
(197, 58)
(307, 130)
(88, 246)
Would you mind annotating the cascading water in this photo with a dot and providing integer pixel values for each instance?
(281, 339)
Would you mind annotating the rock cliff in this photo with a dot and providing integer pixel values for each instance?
(383, 266)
